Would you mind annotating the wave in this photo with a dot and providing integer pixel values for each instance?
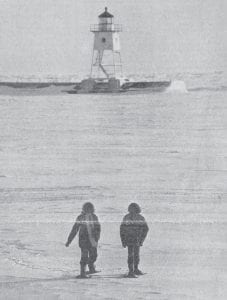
(178, 86)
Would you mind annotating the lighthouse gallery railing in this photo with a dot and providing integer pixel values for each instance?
(106, 27)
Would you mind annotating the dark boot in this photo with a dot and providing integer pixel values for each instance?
(92, 269)
(131, 273)
(82, 272)
(137, 271)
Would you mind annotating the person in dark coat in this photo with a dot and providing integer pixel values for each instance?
(133, 231)
(89, 228)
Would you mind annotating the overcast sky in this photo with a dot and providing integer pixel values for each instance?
(52, 36)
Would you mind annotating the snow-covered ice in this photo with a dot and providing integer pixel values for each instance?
(165, 151)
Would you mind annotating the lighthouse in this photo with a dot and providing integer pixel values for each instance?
(106, 58)
(106, 66)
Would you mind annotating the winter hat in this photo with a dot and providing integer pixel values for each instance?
(134, 208)
(88, 207)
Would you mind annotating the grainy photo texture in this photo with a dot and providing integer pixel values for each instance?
(113, 150)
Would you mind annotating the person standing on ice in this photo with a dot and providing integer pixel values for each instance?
(89, 228)
(133, 231)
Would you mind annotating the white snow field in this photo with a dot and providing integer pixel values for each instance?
(165, 151)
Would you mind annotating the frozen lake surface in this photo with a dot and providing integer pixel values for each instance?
(165, 151)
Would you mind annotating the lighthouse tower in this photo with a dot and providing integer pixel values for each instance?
(106, 58)
(106, 67)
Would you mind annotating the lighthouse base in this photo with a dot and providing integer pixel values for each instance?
(115, 85)
(97, 86)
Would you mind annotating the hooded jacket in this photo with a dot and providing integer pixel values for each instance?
(133, 230)
(89, 230)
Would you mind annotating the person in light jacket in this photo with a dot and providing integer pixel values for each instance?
(89, 228)
(133, 231)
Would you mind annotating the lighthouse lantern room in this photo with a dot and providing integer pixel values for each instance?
(106, 57)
